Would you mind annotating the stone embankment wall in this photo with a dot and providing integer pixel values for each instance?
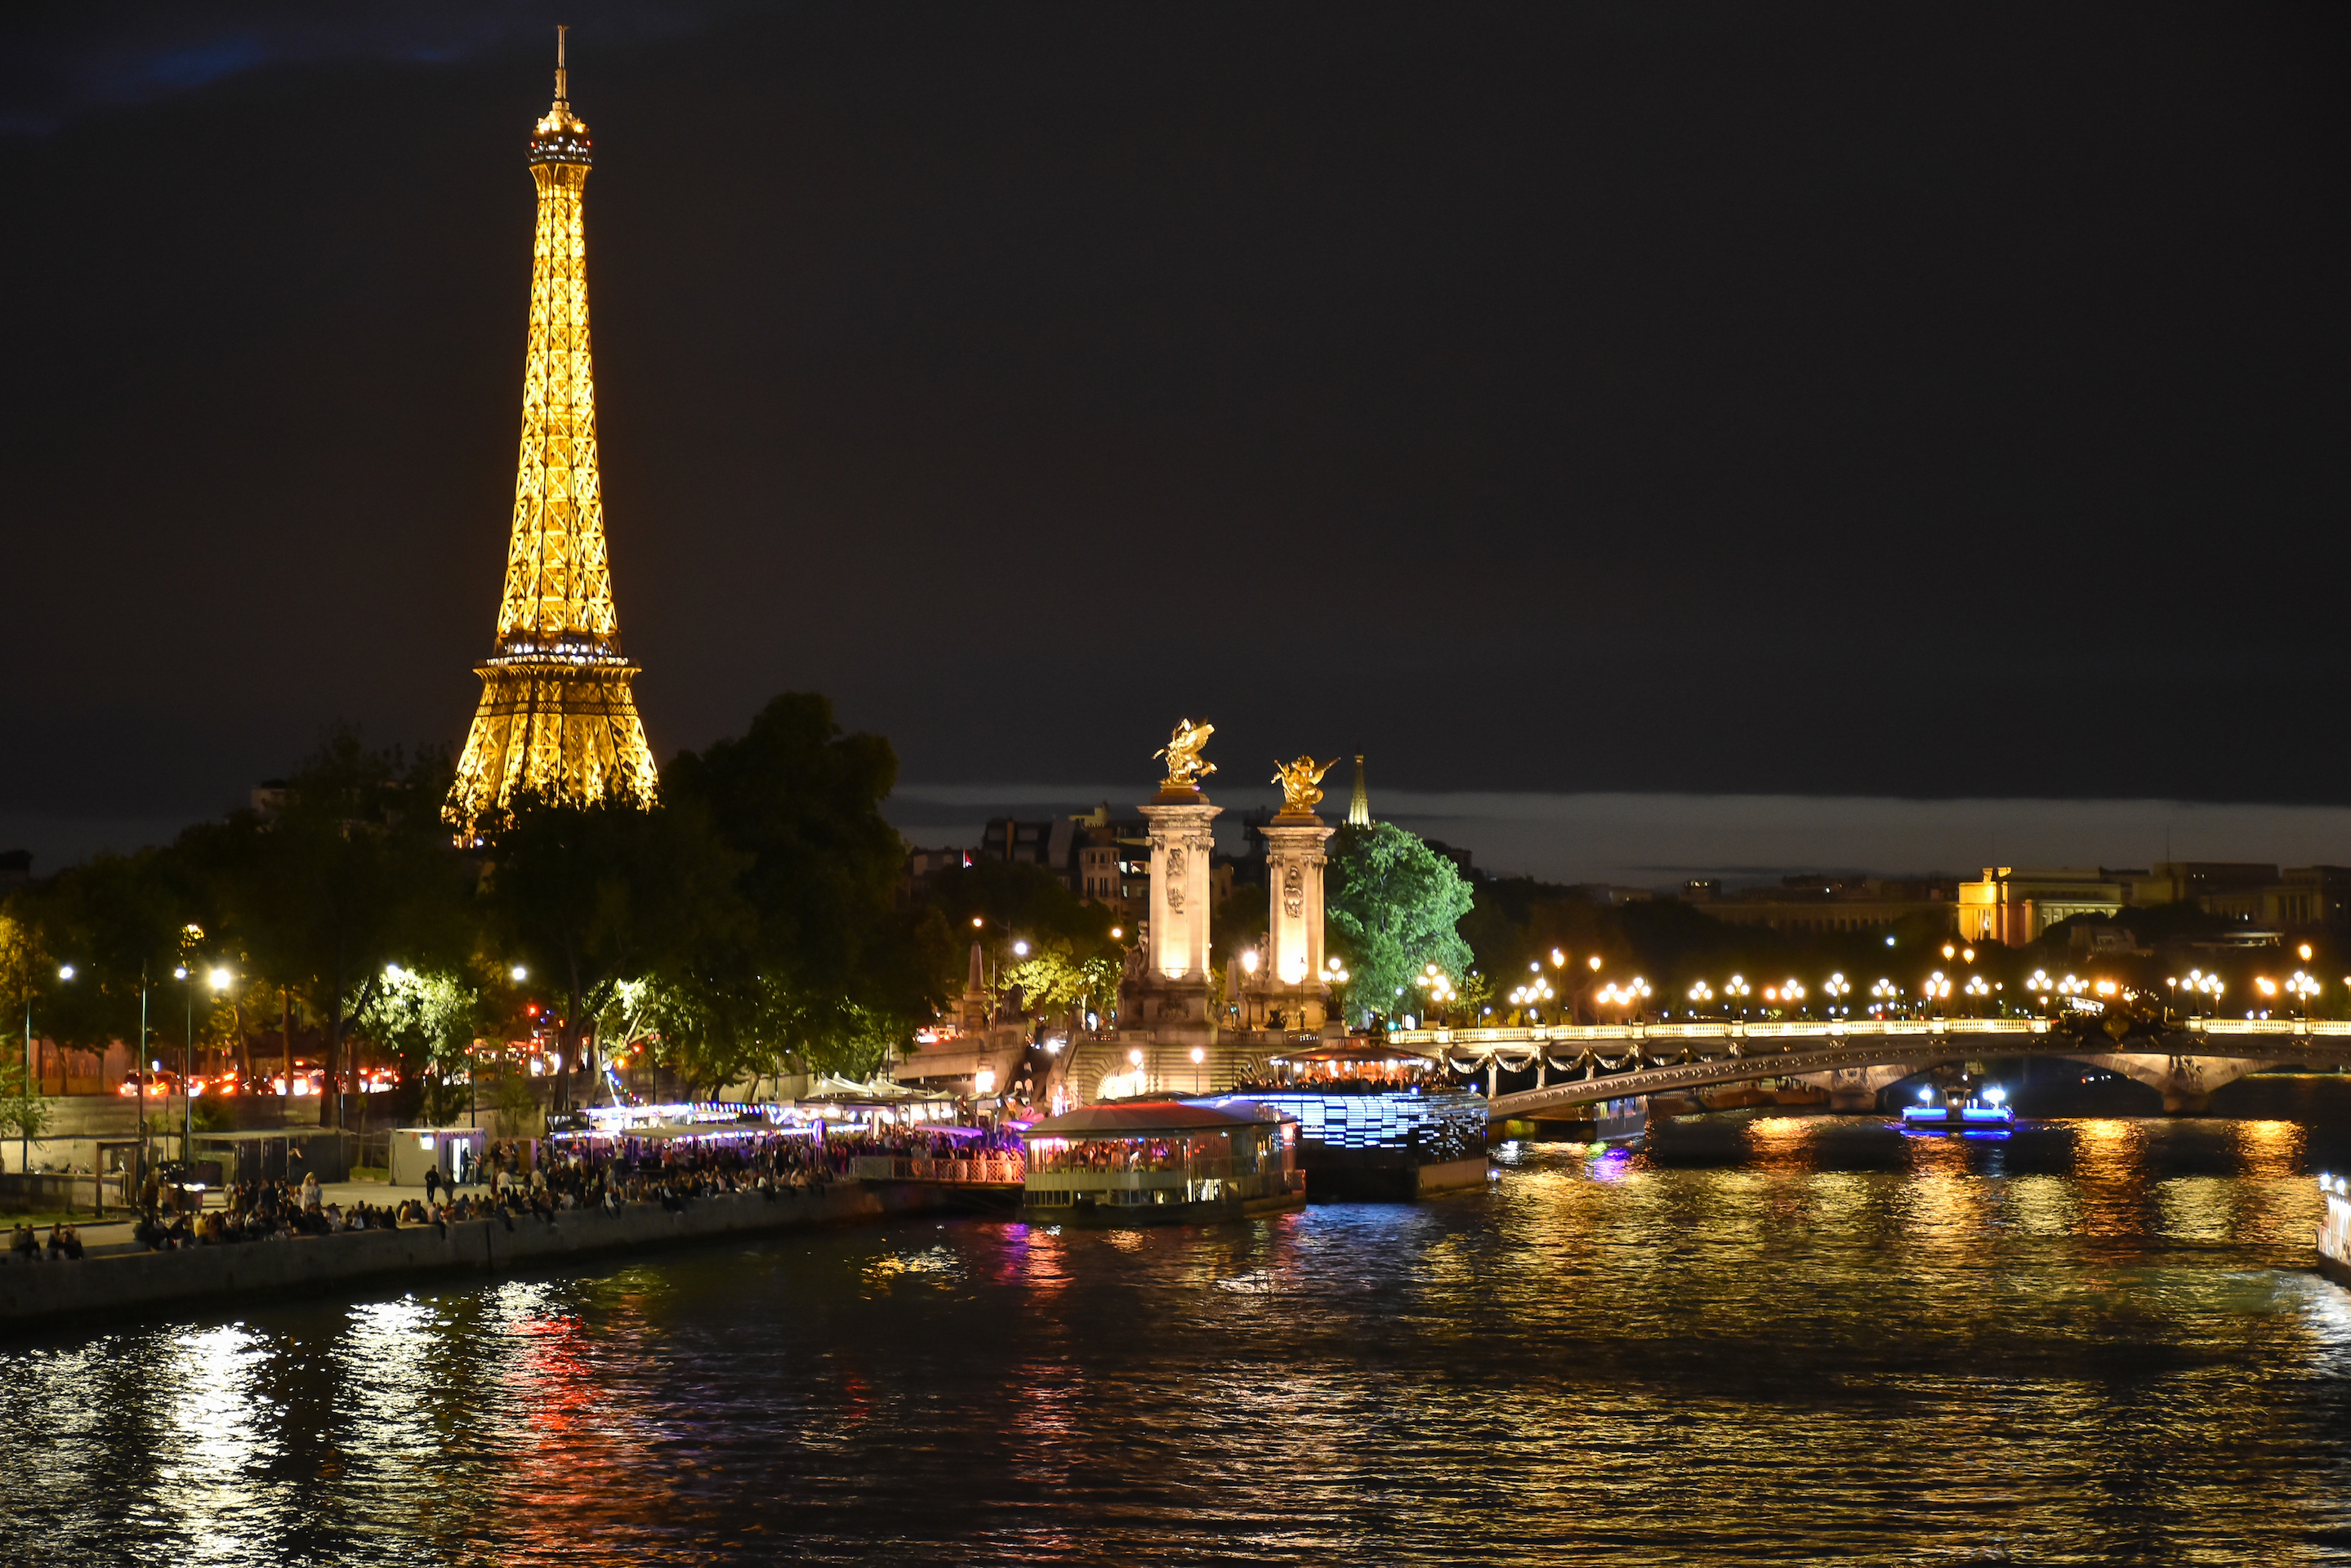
(130, 1282)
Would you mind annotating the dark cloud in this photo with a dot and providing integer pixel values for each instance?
(62, 61)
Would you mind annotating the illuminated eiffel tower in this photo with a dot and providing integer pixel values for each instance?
(557, 717)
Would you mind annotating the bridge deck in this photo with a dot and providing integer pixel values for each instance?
(1617, 1060)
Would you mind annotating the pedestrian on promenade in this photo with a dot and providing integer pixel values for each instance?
(310, 1192)
(431, 1182)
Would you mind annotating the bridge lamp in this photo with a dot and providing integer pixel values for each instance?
(2304, 952)
(1594, 961)
(1559, 958)
(1949, 951)
(1889, 941)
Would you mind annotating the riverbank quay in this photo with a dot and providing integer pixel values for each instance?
(130, 1282)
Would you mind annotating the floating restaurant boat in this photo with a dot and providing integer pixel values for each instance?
(2335, 1229)
(1162, 1162)
(1989, 1116)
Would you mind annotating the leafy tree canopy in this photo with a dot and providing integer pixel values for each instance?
(1394, 905)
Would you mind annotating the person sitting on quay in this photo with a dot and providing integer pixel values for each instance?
(65, 1244)
(24, 1246)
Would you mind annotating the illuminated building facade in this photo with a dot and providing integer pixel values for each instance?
(557, 718)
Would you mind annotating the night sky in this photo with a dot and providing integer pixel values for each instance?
(1853, 399)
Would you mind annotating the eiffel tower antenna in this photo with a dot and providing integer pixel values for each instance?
(558, 720)
(1359, 804)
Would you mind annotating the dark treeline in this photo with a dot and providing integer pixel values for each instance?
(749, 924)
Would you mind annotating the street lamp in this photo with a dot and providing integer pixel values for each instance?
(2301, 987)
(1199, 1079)
(32, 1080)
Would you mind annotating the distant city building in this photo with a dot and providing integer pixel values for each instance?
(1101, 860)
(1823, 903)
(921, 863)
(2014, 907)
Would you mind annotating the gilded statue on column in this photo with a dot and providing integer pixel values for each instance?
(1300, 784)
(1186, 766)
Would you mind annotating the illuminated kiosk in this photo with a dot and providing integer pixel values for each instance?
(1162, 1162)
(455, 1152)
(2334, 1230)
(1376, 1122)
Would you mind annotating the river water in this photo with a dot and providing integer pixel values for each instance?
(1787, 1339)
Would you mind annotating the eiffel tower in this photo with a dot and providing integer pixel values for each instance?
(557, 718)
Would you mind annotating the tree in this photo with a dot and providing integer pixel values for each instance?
(1392, 909)
(119, 921)
(353, 872)
(430, 1022)
(592, 896)
(829, 968)
(1053, 978)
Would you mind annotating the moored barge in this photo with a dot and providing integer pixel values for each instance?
(2335, 1229)
(1162, 1162)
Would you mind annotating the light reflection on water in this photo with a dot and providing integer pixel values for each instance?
(1788, 1337)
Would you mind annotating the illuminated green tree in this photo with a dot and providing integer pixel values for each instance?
(1392, 904)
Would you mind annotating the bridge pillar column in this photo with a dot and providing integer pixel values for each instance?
(1850, 1092)
(1493, 1077)
(2178, 1100)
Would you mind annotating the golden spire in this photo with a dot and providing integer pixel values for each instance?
(1359, 806)
(556, 717)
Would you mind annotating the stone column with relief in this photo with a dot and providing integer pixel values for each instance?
(1169, 1000)
(1291, 981)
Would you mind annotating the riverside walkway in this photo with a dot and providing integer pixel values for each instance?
(118, 1277)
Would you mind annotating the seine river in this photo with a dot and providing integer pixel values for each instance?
(1779, 1340)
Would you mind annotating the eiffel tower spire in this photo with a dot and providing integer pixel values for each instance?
(1359, 806)
(557, 717)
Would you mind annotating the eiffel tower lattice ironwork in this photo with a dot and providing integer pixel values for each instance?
(556, 720)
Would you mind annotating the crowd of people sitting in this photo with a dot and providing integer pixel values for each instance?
(568, 1175)
(1346, 1078)
(25, 1244)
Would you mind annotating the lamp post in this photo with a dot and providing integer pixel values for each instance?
(187, 978)
(32, 1083)
(138, 1165)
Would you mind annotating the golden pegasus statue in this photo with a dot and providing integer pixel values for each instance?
(1300, 784)
(1186, 766)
